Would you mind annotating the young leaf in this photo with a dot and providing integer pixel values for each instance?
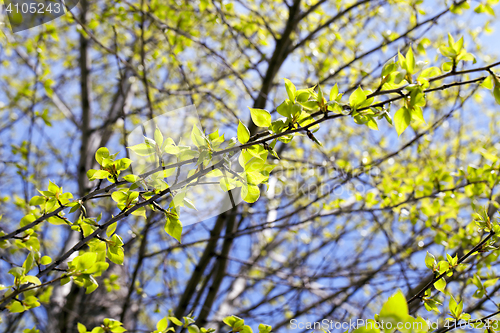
(123, 163)
(402, 119)
(410, 61)
(97, 174)
(131, 178)
(87, 260)
(334, 92)
(158, 137)
(430, 260)
(357, 97)
(142, 149)
(37, 200)
(82, 328)
(401, 60)
(496, 91)
(173, 227)
(440, 284)
(264, 328)
(290, 89)
(243, 133)
(45, 260)
(250, 193)
(488, 82)
(175, 321)
(372, 124)
(395, 309)
(17, 272)
(260, 117)
(198, 137)
(100, 154)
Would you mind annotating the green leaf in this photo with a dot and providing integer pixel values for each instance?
(357, 97)
(111, 229)
(290, 89)
(410, 61)
(119, 196)
(173, 150)
(45, 260)
(372, 124)
(175, 321)
(243, 133)
(37, 200)
(193, 329)
(123, 163)
(198, 137)
(16, 307)
(264, 328)
(302, 95)
(53, 188)
(233, 321)
(28, 263)
(17, 272)
(87, 260)
(395, 309)
(132, 178)
(189, 203)
(116, 253)
(98, 330)
(260, 117)
(401, 60)
(173, 227)
(246, 329)
(319, 98)
(430, 260)
(27, 220)
(443, 266)
(334, 92)
(451, 40)
(100, 154)
(440, 284)
(447, 66)
(250, 193)
(389, 67)
(81, 328)
(402, 120)
(480, 9)
(142, 149)
(97, 174)
(310, 105)
(496, 91)
(285, 109)
(453, 307)
(417, 114)
(488, 82)
(162, 324)
(31, 279)
(158, 137)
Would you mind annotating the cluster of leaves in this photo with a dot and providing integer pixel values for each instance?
(110, 169)
(404, 76)
(22, 278)
(446, 268)
(394, 313)
(238, 325)
(170, 323)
